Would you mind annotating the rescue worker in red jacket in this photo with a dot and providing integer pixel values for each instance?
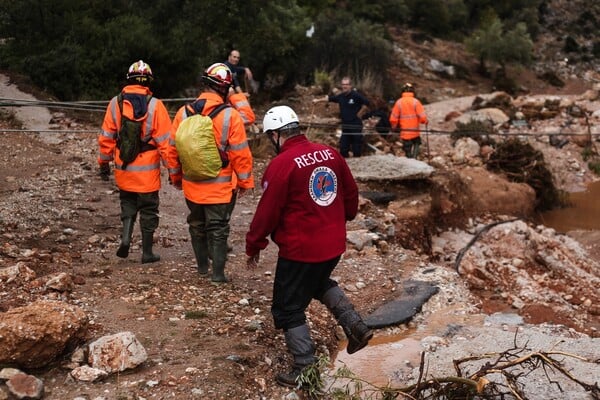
(139, 180)
(308, 195)
(406, 116)
(209, 200)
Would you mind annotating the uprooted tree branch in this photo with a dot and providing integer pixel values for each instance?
(496, 376)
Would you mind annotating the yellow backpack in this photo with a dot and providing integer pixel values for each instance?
(201, 157)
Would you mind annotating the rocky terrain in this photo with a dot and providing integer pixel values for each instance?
(62, 288)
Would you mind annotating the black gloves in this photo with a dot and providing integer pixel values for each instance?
(104, 171)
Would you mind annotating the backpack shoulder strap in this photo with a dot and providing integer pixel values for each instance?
(195, 107)
(217, 110)
(120, 102)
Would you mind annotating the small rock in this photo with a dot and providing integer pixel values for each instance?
(25, 386)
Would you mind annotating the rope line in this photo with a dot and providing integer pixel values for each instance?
(313, 131)
(313, 127)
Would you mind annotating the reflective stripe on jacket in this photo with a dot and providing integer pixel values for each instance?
(230, 134)
(408, 113)
(240, 102)
(142, 175)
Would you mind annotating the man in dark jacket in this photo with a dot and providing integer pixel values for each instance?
(352, 107)
(308, 195)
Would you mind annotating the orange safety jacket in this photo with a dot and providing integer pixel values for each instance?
(230, 135)
(407, 114)
(142, 175)
(240, 102)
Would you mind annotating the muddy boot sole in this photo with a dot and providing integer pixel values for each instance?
(359, 340)
(150, 258)
(288, 379)
(202, 270)
(123, 251)
(219, 279)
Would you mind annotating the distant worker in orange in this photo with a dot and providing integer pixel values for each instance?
(209, 200)
(406, 116)
(240, 102)
(138, 180)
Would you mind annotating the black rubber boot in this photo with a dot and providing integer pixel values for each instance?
(147, 242)
(357, 332)
(200, 247)
(289, 379)
(358, 336)
(126, 234)
(219, 258)
(300, 344)
(407, 147)
(415, 150)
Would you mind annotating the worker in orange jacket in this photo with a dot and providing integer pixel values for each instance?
(139, 180)
(406, 116)
(209, 201)
(240, 102)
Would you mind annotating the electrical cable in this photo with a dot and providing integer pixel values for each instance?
(316, 128)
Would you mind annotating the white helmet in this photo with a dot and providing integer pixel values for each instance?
(280, 117)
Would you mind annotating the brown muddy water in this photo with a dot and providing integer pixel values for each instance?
(389, 359)
(583, 213)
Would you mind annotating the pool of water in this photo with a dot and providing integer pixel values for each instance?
(390, 359)
(583, 213)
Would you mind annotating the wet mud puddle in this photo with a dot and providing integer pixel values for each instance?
(390, 359)
(584, 212)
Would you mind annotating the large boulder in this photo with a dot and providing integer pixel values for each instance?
(388, 167)
(36, 334)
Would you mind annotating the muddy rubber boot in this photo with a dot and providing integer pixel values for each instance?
(407, 148)
(219, 258)
(201, 252)
(289, 379)
(126, 234)
(300, 344)
(359, 335)
(356, 330)
(415, 150)
(147, 242)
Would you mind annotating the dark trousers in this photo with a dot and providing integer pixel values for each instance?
(411, 147)
(296, 284)
(210, 222)
(146, 204)
(352, 138)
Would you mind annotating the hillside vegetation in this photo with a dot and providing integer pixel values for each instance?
(80, 50)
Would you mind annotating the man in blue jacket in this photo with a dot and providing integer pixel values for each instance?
(352, 107)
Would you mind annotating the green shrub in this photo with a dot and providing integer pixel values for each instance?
(477, 130)
(587, 153)
(323, 80)
(520, 162)
(346, 46)
(594, 166)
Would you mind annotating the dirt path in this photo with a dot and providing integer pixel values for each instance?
(203, 341)
(32, 118)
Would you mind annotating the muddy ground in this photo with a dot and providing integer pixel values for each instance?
(218, 341)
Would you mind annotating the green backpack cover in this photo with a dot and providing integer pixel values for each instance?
(198, 152)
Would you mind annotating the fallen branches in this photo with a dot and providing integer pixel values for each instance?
(486, 228)
(496, 376)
